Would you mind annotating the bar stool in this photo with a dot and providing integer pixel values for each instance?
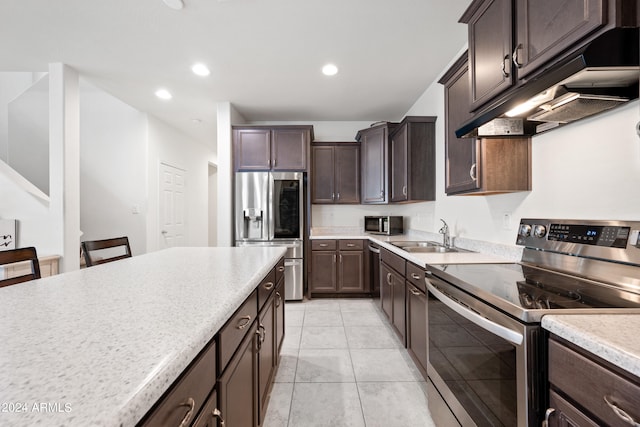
(13, 256)
(104, 246)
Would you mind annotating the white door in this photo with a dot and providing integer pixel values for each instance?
(172, 206)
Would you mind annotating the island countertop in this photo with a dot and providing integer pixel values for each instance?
(100, 346)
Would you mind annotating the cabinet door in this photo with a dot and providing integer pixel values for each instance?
(289, 149)
(351, 271)
(386, 290)
(323, 271)
(374, 165)
(347, 174)
(322, 174)
(266, 355)
(461, 167)
(398, 172)
(490, 48)
(399, 305)
(251, 149)
(210, 415)
(238, 384)
(547, 27)
(417, 326)
(279, 327)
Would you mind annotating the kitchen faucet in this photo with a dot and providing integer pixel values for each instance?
(446, 239)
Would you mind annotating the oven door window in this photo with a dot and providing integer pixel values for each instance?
(478, 367)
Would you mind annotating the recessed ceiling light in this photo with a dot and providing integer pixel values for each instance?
(196, 121)
(163, 94)
(329, 70)
(174, 4)
(200, 69)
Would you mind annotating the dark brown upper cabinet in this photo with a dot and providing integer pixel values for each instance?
(398, 161)
(374, 155)
(335, 173)
(413, 152)
(510, 40)
(479, 166)
(278, 148)
(490, 46)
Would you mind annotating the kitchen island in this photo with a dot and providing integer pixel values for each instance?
(101, 345)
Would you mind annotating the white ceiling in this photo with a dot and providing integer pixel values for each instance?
(265, 56)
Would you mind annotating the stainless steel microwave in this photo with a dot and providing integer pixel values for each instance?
(383, 224)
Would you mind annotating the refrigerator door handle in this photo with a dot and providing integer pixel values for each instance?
(271, 233)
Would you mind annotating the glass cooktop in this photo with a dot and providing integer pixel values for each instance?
(520, 288)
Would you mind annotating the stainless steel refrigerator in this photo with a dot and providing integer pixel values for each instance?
(269, 211)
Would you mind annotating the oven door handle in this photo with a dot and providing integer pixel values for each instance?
(496, 329)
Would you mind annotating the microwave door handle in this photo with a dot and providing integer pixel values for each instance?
(496, 329)
(380, 225)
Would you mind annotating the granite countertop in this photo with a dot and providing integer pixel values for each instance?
(613, 337)
(479, 252)
(101, 345)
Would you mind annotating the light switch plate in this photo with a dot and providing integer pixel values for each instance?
(7, 234)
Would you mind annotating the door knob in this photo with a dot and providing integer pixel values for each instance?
(164, 231)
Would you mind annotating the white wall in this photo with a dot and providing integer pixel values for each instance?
(168, 145)
(113, 169)
(12, 84)
(213, 205)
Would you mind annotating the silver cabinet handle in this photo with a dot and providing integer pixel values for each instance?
(389, 279)
(415, 276)
(333, 196)
(278, 299)
(496, 329)
(268, 286)
(243, 322)
(351, 245)
(334, 258)
(472, 172)
(547, 414)
(505, 61)
(621, 413)
(187, 417)
(338, 196)
(404, 190)
(415, 292)
(324, 245)
(340, 258)
(514, 57)
(281, 268)
(217, 414)
(262, 331)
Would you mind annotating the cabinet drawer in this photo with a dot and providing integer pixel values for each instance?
(188, 394)
(323, 245)
(351, 245)
(392, 260)
(415, 276)
(588, 383)
(266, 287)
(236, 328)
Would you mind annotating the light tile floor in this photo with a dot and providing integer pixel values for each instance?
(343, 365)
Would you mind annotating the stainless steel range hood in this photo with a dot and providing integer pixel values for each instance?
(599, 76)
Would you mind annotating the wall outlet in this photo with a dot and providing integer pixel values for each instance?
(506, 220)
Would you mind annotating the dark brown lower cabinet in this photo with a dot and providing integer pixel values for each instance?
(279, 327)
(238, 383)
(210, 415)
(588, 391)
(392, 298)
(338, 266)
(417, 327)
(267, 358)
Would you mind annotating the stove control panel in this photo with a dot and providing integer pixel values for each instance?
(596, 235)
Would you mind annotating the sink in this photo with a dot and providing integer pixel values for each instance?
(429, 249)
(423, 247)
